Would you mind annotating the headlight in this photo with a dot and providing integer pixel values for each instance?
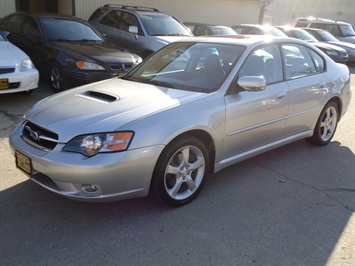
(88, 66)
(332, 53)
(26, 65)
(89, 145)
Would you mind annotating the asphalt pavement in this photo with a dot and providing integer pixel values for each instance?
(292, 206)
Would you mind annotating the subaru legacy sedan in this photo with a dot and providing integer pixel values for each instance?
(191, 109)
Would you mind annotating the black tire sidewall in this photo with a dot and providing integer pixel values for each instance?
(63, 83)
(316, 138)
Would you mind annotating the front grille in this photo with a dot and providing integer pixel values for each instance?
(39, 137)
(7, 70)
(121, 67)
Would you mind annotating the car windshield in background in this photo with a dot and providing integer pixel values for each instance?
(327, 37)
(222, 31)
(68, 30)
(2, 39)
(347, 30)
(189, 66)
(160, 25)
(303, 35)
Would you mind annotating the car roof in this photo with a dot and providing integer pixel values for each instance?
(321, 20)
(259, 26)
(46, 15)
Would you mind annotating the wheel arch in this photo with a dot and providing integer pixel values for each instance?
(339, 103)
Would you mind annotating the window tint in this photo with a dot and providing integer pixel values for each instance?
(111, 19)
(264, 62)
(30, 26)
(97, 13)
(298, 61)
(128, 19)
(13, 22)
(318, 61)
(200, 30)
(301, 24)
(318, 25)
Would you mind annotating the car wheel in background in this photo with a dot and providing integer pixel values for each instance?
(326, 125)
(57, 77)
(181, 171)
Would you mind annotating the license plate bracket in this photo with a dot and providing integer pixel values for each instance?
(4, 84)
(23, 163)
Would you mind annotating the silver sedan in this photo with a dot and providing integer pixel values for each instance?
(191, 109)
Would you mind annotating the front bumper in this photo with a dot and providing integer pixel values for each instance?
(21, 81)
(103, 177)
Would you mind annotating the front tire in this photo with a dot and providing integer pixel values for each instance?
(326, 125)
(181, 171)
(57, 78)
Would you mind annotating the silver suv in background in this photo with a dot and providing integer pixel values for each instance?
(142, 30)
(341, 30)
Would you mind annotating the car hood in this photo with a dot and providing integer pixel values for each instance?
(170, 39)
(329, 46)
(104, 106)
(344, 45)
(104, 52)
(10, 55)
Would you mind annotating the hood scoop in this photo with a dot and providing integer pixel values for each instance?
(99, 96)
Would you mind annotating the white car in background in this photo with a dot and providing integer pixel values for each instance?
(17, 72)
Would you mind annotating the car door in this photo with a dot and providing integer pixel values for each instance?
(257, 118)
(304, 74)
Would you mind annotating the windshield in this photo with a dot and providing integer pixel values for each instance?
(68, 30)
(163, 25)
(217, 30)
(327, 37)
(189, 66)
(347, 30)
(304, 35)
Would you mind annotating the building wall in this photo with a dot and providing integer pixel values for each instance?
(292, 9)
(7, 7)
(223, 12)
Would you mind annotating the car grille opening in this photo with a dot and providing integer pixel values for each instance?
(39, 137)
(121, 67)
(7, 70)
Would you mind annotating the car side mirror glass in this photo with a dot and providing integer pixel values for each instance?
(252, 83)
(133, 29)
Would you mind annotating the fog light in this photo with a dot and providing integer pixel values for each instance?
(89, 188)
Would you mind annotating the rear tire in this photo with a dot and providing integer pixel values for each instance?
(326, 125)
(181, 171)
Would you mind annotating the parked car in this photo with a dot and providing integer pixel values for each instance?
(341, 30)
(67, 50)
(17, 72)
(193, 108)
(142, 30)
(257, 29)
(336, 53)
(200, 29)
(325, 36)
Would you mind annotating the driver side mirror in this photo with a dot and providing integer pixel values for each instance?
(252, 83)
(133, 29)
